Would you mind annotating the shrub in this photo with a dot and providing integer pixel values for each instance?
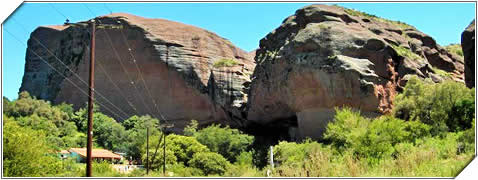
(404, 52)
(184, 171)
(225, 141)
(467, 139)
(103, 169)
(346, 129)
(448, 106)
(373, 139)
(243, 167)
(384, 133)
(245, 158)
(416, 130)
(462, 114)
(240, 170)
(289, 153)
(209, 163)
(225, 63)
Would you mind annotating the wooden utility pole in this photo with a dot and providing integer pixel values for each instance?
(147, 150)
(91, 24)
(164, 154)
(90, 100)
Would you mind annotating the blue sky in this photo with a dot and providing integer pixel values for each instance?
(244, 24)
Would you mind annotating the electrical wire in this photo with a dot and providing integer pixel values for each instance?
(56, 70)
(75, 74)
(121, 63)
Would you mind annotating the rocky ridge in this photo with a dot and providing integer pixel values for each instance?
(162, 68)
(328, 56)
(320, 58)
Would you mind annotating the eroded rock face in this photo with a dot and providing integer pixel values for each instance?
(324, 57)
(468, 46)
(165, 69)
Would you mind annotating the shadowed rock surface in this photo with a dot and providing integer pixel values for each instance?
(175, 63)
(468, 46)
(327, 56)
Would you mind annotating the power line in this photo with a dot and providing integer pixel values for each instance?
(56, 70)
(141, 76)
(121, 63)
(124, 69)
(104, 4)
(101, 67)
(58, 11)
(116, 86)
(75, 74)
(139, 70)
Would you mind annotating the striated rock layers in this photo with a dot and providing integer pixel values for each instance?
(328, 56)
(149, 66)
(320, 58)
(468, 46)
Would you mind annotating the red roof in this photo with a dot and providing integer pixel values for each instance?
(96, 153)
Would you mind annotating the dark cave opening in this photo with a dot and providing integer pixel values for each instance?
(266, 135)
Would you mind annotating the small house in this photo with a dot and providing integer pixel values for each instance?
(96, 154)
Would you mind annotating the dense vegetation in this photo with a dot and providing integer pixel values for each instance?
(429, 133)
(435, 137)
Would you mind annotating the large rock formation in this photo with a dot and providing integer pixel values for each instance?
(468, 46)
(328, 56)
(149, 66)
(320, 58)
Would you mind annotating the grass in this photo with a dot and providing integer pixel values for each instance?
(455, 49)
(402, 51)
(442, 72)
(225, 63)
(354, 12)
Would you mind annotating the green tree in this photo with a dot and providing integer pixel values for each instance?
(54, 121)
(6, 104)
(136, 134)
(108, 133)
(182, 147)
(225, 141)
(191, 128)
(209, 163)
(447, 106)
(25, 152)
